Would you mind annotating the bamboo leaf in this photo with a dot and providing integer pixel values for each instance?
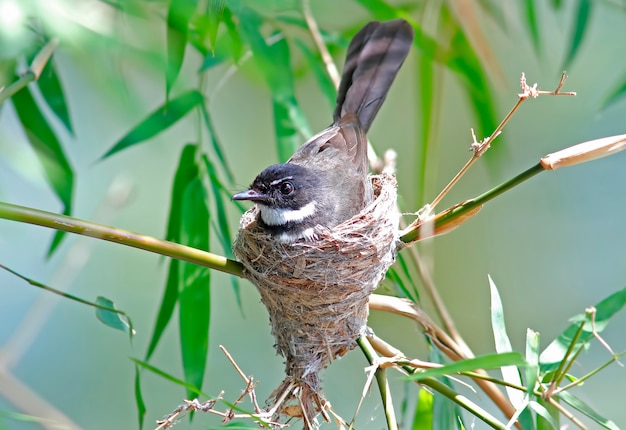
(490, 361)
(52, 91)
(581, 21)
(555, 352)
(530, 9)
(56, 166)
(111, 317)
(503, 345)
(141, 405)
(169, 377)
(581, 406)
(423, 417)
(194, 286)
(185, 173)
(179, 15)
(215, 12)
(319, 71)
(217, 148)
(274, 62)
(158, 121)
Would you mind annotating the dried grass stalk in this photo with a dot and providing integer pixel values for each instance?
(316, 292)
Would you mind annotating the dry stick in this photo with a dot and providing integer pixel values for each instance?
(479, 148)
(331, 68)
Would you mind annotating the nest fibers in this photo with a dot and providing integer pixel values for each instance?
(316, 292)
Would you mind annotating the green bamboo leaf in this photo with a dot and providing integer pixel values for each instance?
(220, 208)
(56, 166)
(581, 406)
(545, 420)
(111, 317)
(185, 173)
(555, 352)
(530, 9)
(233, 34)
(381, 10)
(217, 148)
(446, 414)
(221, 199)
(426, 79)
(462, 59)
(168, 377)
(423, 417)
(215, 13)
(194, 286)
(158, 121)
(274, 62)
(141, 405)
(503, 345)
(490, 361)
(319, 71)
(583, 17)
(52, 91)
(179, 15)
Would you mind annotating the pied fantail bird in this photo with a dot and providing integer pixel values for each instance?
(325, 182)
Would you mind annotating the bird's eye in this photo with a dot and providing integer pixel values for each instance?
(286, 188)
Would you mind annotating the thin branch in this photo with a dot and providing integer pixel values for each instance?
(123, 237)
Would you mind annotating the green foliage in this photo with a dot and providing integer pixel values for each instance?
(215, 37)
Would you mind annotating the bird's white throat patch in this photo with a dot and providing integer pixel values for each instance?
(281, 216)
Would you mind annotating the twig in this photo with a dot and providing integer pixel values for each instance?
(250, 384)
(331, 68)
(479, 148)
(33, 72)
(123, 237)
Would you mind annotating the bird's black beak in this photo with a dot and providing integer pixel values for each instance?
(251, 195)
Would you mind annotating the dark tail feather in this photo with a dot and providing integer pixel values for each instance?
(373, 60)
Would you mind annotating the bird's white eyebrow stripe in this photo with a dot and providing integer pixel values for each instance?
(281, 216)
(278, 181)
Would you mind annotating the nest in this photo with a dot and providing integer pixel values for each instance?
(316, 292)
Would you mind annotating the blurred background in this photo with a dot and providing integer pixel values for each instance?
(554, 245)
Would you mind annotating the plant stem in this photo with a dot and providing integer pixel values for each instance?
(413, 232)
(123, 237)
(381, 380)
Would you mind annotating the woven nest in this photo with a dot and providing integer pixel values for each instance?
(316, 292)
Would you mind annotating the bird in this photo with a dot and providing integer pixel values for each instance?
(326, 181)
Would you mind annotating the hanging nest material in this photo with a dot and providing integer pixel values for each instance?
(316, 292)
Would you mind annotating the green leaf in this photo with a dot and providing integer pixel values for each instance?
(215, 12)
(581, 406)
(169, 377)
(381, 10)
(186, 171)
(423, 417)
(530, 9)
(217, 148)
(605, 310)
(57, 169)
(52, 91)
(110, 317)
(583, 15)
(490, 361)
(429, 113)
(141, 405)
(503, 345)
(319, 71)
(158, 121)
(274, 62)
(194, 286)
(179, 15)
